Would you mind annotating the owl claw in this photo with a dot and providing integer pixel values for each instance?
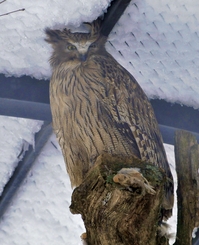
(132, 179)
(83, 238)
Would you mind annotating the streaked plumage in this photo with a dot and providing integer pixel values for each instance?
(97, 106)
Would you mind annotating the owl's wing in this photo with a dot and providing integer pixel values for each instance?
(129, 106)
(127, 103)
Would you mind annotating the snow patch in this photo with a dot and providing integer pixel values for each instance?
(15, 134)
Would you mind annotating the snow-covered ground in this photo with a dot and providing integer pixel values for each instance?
(157, 41)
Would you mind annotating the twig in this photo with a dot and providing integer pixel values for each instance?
(11, 11)
(2, 1)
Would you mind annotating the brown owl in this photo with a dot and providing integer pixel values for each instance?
(98, 106)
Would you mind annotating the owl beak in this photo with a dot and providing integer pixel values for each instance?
(83, 57)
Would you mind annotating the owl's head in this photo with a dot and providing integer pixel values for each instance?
(75, 47)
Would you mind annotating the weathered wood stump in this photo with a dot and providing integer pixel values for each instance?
(128, 215)
(114, 214)
(187, 165)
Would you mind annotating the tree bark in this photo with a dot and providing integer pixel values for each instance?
(187, 165)
(115, 214)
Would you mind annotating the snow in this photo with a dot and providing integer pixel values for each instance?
(24, 51)
(157, 41)
(162, 39)
(173, 220)
(15, 134)
(39, 214)
(160, 48)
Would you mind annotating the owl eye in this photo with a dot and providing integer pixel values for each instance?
(71, 47)
(93, 45)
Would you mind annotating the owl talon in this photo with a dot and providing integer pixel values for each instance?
(134, 181)
(83, 237)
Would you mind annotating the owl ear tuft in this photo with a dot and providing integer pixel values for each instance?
(53, 36)
(94, 27)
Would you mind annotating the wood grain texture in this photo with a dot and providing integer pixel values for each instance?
(113, 214)
(187, 165)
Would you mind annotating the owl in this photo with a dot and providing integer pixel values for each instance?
(97, 106)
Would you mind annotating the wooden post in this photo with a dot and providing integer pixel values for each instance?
(187, 165)
(115, 214)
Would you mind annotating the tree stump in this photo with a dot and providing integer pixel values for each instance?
(187, 165)
(115, 214)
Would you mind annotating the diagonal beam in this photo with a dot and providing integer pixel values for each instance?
(176, 115)
(25, 109)
(24, 97)
(114, 12)
(24, 88)
(23, 167)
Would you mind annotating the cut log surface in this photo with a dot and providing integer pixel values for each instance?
(127, 212)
